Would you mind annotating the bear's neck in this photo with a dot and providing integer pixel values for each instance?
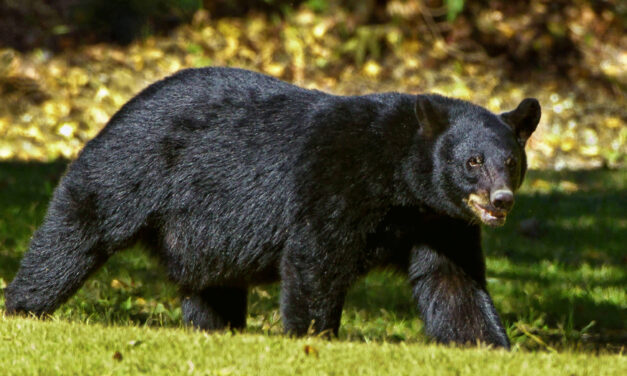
(413, 183)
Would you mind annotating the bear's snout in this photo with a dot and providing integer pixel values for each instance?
(502, 199)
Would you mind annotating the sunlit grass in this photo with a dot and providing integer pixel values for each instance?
(63, 347)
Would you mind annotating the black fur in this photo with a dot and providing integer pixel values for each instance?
(234, 179)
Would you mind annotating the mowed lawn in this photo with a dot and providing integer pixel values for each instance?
(557, 272)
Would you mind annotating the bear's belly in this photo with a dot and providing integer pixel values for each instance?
(209, 262)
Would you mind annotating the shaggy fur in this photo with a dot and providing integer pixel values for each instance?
(234, 179)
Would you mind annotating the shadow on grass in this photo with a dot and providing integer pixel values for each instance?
(567, 274)
(25, 189)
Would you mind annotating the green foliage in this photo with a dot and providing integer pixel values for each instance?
(453, 8)
(317, 5)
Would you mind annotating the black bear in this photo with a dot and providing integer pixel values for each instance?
(234, 178)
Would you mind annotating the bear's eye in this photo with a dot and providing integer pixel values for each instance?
(475, 161)
(510, 162)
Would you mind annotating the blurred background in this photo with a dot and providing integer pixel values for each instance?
(67, 65)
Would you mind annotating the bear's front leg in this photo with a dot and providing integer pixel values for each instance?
(448, 279)
(312, 295)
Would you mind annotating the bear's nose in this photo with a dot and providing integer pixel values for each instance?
(502, 199)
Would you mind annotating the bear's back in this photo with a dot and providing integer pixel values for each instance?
(214, 151)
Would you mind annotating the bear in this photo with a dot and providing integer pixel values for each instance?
(233, 179)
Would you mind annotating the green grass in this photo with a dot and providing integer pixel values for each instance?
(559, 286)
(62, 347)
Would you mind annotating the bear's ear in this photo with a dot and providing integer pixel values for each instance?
(432, 114)
(524, 119)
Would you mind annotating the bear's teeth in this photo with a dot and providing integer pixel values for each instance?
(489, 217)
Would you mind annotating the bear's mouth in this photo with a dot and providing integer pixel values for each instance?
(486, 213)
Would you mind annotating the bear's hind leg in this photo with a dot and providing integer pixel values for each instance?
(312, 295)
(62, 254)
(216, 308)
(51, 271)
(69, 246)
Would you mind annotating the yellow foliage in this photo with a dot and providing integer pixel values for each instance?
(97, 115)
(116, 284)
(613, 122)
(372, 69)
(65, 99)
(568, 186)
(274, 69)
(541, 185)
(35, 133)
(56, 109)
(305, 17)
(589, 151)
(67, 129)
(4, 124)
(568, 144)
(77, 77)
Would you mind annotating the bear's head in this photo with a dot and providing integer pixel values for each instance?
(476, 159)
